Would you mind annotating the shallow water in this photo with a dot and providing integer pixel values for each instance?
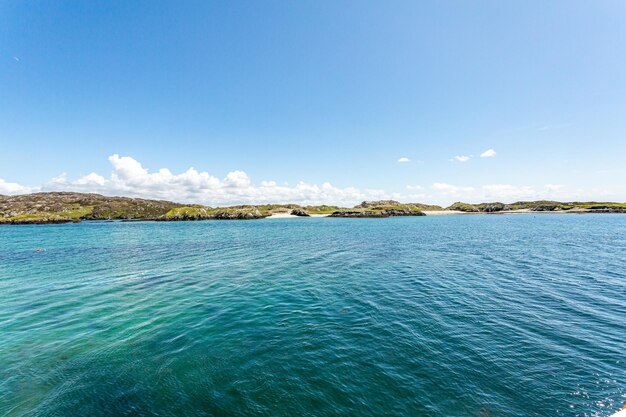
(502, 315)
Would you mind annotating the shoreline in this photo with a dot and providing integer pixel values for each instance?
(68, 207)
(275, 216)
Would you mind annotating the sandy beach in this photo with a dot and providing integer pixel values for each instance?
(291, 216)
(443, 212)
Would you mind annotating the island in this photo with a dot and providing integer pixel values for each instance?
(67, 207)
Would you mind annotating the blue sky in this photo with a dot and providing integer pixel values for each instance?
(288, 96)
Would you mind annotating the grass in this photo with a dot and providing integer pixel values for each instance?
(321, 209)
(460, 206)
(192, 211)
(76, 212)
(201, 212)
(594, 204)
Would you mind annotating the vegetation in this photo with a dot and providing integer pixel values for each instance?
(208, 213)
(58, 207)
(61, 207)
(426, 207)
(321, 209)
(459, 206)
(269, 209)
(385, 208)
(542, 205)
(592, 205)
(188, 212)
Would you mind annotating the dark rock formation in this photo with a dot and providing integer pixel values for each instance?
(607, 209)
(247, 213)
(492, 207)
(358, 214)
(390, 212)
(299, 212)
(546, 207)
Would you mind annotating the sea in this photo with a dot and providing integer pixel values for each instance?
(455, 315)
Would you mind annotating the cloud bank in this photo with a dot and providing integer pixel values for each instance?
(129, 178)
(10, 188)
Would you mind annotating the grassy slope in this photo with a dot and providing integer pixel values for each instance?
(56, 207)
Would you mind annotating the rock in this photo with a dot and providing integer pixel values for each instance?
(492, 207)
(300, 212)
(358, 214)
(370, 204)
(243, 213)
(546, 208)
(403, 212)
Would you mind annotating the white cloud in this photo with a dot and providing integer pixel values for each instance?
(489, 153)
(404, 159)
(91, 179)
(449, 189)
(130, 178)
(461, 158)
(10, 188)
(60, 179)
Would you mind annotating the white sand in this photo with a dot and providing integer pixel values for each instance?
(442, 212)
(291, 216)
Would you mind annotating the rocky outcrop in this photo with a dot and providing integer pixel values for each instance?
(208, 213)
(607, 209)
(245, 213)
(403, 212)
(59, 207)
(41, 220)
(358, 214)
(390, 212)
(370, 204)
(382, 208)
(300, 213)
(492, 207)
(546, 207)
(478, 208)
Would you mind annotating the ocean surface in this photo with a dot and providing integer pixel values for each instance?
(484, 315)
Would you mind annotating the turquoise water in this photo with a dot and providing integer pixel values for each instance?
(502, 315)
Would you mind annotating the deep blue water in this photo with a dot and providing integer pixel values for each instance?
(501, 315)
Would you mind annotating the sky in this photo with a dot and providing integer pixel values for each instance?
(315, 101)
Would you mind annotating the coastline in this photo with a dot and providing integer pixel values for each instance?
(68, 207)
(277, 216)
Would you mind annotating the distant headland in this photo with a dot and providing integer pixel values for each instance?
(66, 207)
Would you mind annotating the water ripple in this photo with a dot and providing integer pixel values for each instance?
(437, 316)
